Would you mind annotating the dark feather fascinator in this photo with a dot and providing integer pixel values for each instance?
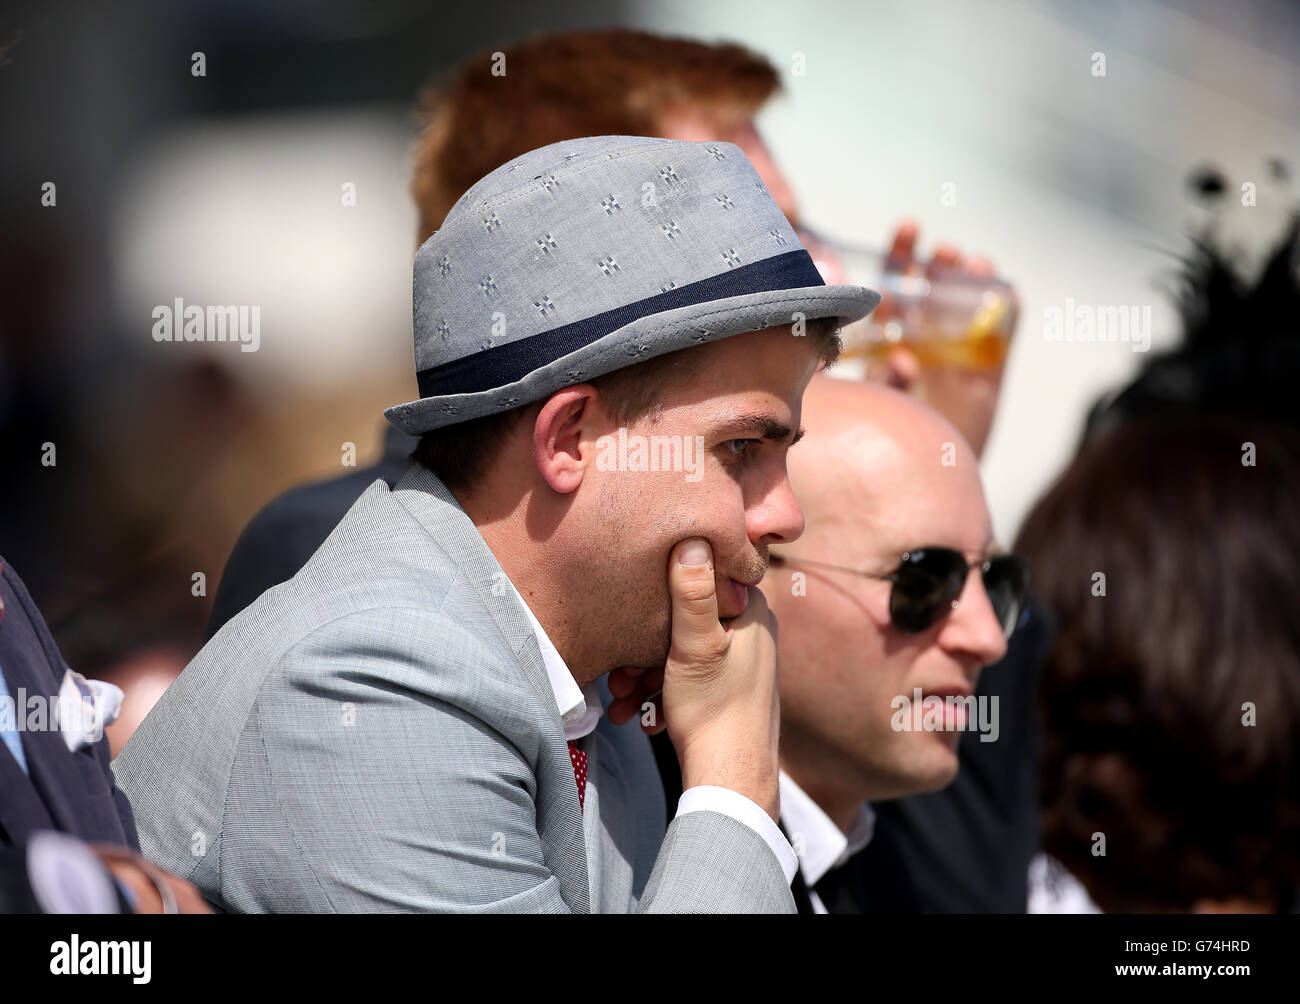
(1240, 350)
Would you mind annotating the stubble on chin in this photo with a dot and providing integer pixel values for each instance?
(644, 633)
(625, 626)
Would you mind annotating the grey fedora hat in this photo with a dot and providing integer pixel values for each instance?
(589, 255)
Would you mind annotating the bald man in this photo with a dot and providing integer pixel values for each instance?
(876, 673)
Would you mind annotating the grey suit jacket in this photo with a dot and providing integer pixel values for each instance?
(379, 734)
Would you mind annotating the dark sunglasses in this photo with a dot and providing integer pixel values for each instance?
(929, 579)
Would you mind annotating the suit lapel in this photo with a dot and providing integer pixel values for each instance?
(54, 793)
(56, 777)
(21, 808)
(428, 501)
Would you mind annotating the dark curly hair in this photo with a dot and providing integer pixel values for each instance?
(1146, 689)
(1240, 347)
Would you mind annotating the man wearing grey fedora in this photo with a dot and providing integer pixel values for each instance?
(446, 709)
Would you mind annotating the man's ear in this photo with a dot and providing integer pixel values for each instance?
(558, 437)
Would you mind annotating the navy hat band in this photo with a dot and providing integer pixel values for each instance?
(505, 364)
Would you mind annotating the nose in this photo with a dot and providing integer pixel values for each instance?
(972, 631)
(777, 518)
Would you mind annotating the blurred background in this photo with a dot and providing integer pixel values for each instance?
(984, 122)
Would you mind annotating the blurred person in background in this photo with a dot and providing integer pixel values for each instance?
(1171, 698)
(1169, 552)
(621, 82)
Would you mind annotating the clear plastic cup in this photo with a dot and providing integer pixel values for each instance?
(946, 317)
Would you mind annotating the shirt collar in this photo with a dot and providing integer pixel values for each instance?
(580, 707)
(819, 843)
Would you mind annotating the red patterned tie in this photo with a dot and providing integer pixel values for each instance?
(579, 759)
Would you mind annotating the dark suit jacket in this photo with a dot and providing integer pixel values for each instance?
(71, 792)
(279, 539)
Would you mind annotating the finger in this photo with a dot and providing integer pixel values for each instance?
(621, 683)
(696, 632)
(631, 686)
(646, 688)
(902, 248)
(188, 899)
(945, 258)
(622, 709)
(147, 898)
(981, 267)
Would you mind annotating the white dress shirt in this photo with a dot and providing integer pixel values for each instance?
(1052, 889)
(580, 710)
(820, 844)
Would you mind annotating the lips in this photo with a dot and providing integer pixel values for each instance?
(953, 690)
(955, 715)
(734, 600)
(734, 580)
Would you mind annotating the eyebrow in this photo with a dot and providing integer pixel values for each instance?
(764, 426)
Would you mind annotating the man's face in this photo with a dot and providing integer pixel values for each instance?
(730, 411)
(842, 661)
